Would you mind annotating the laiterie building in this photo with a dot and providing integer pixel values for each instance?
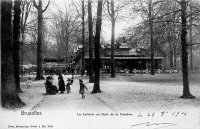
(126, 58)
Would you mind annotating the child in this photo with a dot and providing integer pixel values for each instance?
(68, 87)
(29, 81)
(82, 88)
(61, 84)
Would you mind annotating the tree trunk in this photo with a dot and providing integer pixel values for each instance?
(174, 40)
(9, 96)
(90, 26)
(96, 88)
(112, 40)
(22, 52)
(39, 43)
(175, 56)
(151, 34)
(171, 56)
(66, 54)
(83, 38)
(16, 43)
(186, 89)
(191, 53)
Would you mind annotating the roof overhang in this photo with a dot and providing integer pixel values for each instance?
(131, 58)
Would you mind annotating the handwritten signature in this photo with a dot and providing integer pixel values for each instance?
(159, 125)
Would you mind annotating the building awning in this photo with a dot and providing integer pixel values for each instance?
(130, 58)
(53, 59)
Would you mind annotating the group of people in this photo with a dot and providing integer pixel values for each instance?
(51, 89)
(61, 84)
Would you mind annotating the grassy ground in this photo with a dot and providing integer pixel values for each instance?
(157, 78)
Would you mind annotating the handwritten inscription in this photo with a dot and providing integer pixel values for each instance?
(161, 125)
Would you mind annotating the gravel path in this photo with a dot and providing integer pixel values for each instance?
(126, 102)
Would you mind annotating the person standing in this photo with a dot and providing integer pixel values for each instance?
(82, 88)
(61, 84)
(68, 86)
(29, 81)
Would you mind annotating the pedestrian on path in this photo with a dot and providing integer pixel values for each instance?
(82, 88)
(29, 81)
(72, 72)
(72, 80)
(61, 84)
(68, 86)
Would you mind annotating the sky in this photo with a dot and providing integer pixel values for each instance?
(106, 24)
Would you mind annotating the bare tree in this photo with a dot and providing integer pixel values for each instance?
(149, 10)
(191, 53)
(186, 89)
(83, 38)
(111, 12)
(151, 35)
(65, 26)
(9, 96)
(26, 6)
(169, 30)
(97, 63)
(39, 75)
(16, 43)
(81, 6)
(90, 26)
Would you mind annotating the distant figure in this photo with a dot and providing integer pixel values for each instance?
(82, 88)
(68, 86)
(50, 88)
(61, 84)
(75, 72)
(60, 76)
(78, 71)
(29, 81)
(72, 72)
(72, 80)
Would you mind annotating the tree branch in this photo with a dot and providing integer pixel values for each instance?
(193, 44)
(76, 8)
(108, 8)
(34, 3)
(46, 7)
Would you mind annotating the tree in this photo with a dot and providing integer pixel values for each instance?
(97, 63)
(39, 75)
(83, 39)
(191, 53)
(111, 12)
(16, 43)
(113, 9)
(186, 89)
(149, 10)
(9, 96)
(151, 35)
(90, 26)
(65, 29)
(26, 6)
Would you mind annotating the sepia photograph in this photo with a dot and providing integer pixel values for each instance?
(100, 64)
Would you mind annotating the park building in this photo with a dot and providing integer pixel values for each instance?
(127, 59)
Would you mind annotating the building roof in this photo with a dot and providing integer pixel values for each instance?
(129, 58)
